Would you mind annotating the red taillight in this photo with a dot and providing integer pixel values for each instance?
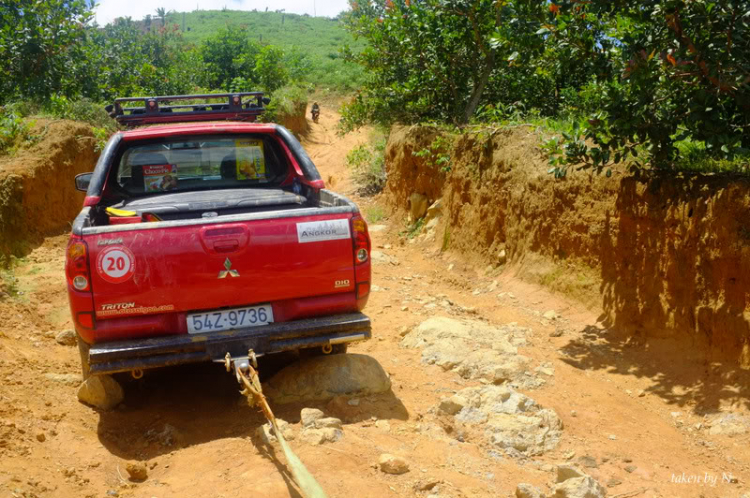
(77, 265)
(86, 319)
(361, 240)
(363, 290)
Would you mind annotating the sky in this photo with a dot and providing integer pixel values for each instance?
(107, 10)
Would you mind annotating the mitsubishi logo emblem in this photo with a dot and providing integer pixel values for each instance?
(228, 271)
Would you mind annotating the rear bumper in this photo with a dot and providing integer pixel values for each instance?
(123, 356)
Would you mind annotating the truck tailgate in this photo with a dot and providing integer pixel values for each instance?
(213, 266)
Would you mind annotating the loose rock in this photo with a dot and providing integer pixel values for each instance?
(137, 471)
(580, 487)
(528, 491)
(417, 206)
(41, 437)
(309, 416)
(321, 436)
(729, 424)
(67, 379)
(101, 391)
(381, 257)
(550, 315)
(66, 338)
(512, 421)
(474, 349)
(434, 210)
(324, 377)
(391, 464)
(452, 405)
(565, 472)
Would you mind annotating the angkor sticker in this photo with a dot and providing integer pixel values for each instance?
(317, 231)
(115, 264)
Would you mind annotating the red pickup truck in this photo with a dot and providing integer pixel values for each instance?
(209, 237)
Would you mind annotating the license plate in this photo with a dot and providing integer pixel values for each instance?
(215, 321)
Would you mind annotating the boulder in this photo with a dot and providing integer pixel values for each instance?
(101, 391)
(580, 487)
(324, 377)
(66, 338)
(418, 205)
(391, 464)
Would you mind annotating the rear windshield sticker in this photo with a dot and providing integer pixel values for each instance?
(160, 177)
(115, 264)
(251, 162)
(317, 231)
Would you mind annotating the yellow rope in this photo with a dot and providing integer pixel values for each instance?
(253, 390)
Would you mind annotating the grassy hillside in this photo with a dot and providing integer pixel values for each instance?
(319, 38)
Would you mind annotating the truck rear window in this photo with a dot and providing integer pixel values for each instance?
(201, 163)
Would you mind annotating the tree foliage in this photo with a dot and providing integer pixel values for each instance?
(39, 41)
(632, 75)
(52, 51)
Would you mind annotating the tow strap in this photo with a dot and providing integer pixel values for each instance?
(245, 370)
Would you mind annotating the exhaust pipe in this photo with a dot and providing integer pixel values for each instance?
(327, 349)
(137, 373)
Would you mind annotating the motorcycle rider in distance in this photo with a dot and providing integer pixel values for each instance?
(315, 111)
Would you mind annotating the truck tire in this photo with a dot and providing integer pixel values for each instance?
(83, 350)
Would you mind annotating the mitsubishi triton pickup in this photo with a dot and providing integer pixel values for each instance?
(204, 232)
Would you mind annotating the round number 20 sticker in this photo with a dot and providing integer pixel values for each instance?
(116, 264)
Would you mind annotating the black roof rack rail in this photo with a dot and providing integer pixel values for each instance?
(236, 107)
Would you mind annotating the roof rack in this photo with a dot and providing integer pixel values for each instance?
(237, 107)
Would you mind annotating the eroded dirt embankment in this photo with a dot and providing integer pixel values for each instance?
(37, 193)
(662, 256)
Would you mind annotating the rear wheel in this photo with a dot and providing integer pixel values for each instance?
(83, 350)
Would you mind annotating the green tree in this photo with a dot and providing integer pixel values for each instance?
(38, 45)
(270, 69)
(230, 54)
(675, 69)
(436, 59)
(161, 13)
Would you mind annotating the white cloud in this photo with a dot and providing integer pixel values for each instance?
(108, 10)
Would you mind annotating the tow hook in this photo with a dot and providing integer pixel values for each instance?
(137, 373)
(327, 349)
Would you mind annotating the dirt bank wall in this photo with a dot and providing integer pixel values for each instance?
(662, 256)
(37, 192)
(296, 122)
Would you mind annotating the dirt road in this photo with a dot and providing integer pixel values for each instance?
(638, 417)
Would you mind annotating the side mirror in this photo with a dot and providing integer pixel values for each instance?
(82, 181)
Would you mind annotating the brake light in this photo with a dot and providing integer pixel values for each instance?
(361, 240)
(77, 265)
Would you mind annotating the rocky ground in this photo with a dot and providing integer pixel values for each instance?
(474, 384)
